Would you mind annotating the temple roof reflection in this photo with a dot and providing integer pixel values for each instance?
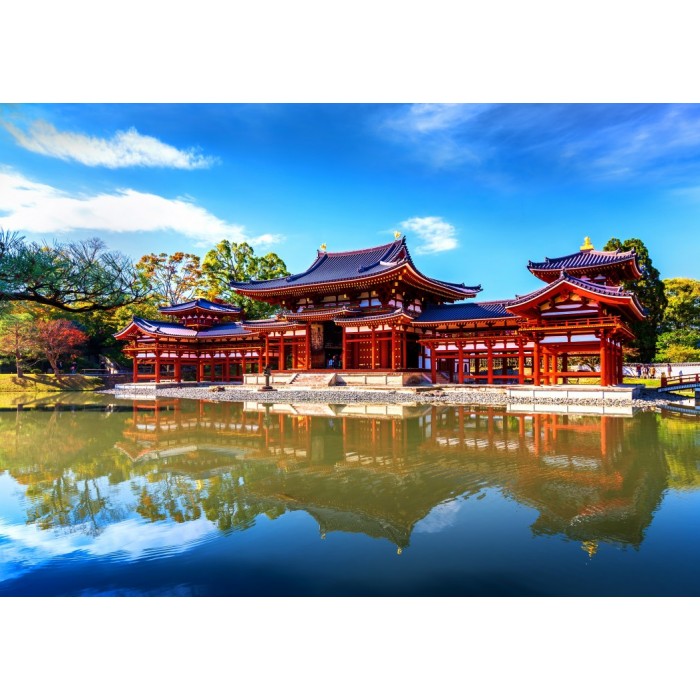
(379, 473)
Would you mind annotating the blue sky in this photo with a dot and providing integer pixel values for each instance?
(477, 189)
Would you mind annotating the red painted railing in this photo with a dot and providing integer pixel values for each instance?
(680, 382)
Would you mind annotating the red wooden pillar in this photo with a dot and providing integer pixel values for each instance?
(373, 341)
(281, 364)
(603, 360)
(489, 362)
(135, 370)
(536, 363)
(433, 363)
(521, 362)
(157, 363)
(178, 367)
(460, 361)
(565, 366)
(344, 350)
(267, 349)
(212, 366)
(620, 373)
(404, 356)
(308, 346)
(393, 348)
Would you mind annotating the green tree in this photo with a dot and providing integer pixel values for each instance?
(683, 310)
(229, 262)
(679, 346)
(16, 336)
(650, 292)
(171, 279)
(81, 276)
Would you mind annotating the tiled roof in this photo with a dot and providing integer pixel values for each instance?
(177, 330)
(484, 310)
(319, 312)
(203, 304)
(174, 329)
(354, 264)
(223, 329)
(270, 324)
(583, 259)
(367, 319)
(601, 289)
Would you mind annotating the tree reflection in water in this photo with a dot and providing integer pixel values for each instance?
(590, 478)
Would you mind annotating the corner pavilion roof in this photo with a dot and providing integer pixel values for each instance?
(201, 304)
(366, 264)
(616, 296)
(177, 330)
(587, 262)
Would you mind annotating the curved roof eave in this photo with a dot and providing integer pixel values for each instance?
(613, 296)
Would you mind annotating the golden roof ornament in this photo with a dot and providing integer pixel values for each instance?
(397, 235)
(323, 247)
(587, 245)
(590, 546)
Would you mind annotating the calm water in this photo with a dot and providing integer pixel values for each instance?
(188, 498)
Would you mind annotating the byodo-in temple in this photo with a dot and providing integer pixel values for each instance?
(372, 310)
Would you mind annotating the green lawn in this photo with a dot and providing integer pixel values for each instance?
(649, 383)
(40, 383)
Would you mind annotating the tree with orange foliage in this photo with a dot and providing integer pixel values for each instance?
(57, 339)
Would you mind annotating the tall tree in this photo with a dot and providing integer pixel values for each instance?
(650, 292)
(172, 279)
(81, 276)
(229, 262)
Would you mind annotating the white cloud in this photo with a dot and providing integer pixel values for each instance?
(434, 131)
(440, 518)
(26, 546)
(436, 235)
(33, 207)
(431, 118)
(123, 150)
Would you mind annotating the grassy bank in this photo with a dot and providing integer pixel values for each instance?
(41, 383)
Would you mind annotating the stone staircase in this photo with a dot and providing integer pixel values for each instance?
(306, 379)
(441, 377)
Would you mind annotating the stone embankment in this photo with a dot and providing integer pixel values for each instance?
(485, 396)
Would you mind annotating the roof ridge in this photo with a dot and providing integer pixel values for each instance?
(366, 250)
(605, 253)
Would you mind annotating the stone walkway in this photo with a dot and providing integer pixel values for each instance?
(346, 395)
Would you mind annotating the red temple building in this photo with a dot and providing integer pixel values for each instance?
(372, 310)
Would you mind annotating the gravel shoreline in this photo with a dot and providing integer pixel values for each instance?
(649, 400)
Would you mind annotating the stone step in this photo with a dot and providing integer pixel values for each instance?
(307, 379)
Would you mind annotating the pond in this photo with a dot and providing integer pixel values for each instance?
(179, 497)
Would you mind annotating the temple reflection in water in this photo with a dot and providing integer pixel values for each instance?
(381, 470)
